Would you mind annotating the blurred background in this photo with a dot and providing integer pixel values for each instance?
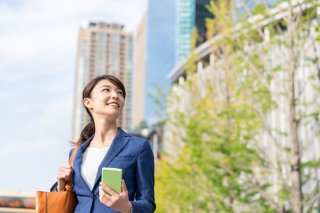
(227, 93)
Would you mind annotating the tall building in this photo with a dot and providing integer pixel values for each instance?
(190, 14)
(169, 27)
(159, 59)
(103, 48)
(139, 73)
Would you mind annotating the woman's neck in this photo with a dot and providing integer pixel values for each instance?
(105, 132)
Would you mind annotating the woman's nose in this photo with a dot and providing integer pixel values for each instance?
(114, 94)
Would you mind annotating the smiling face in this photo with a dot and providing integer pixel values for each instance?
(105, 99)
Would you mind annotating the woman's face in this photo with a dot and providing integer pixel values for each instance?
(106, 99)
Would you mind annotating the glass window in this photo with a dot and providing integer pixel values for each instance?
(114, 37)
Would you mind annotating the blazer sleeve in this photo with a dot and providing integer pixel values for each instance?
(144, 202)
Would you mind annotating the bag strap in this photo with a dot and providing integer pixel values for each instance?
(73, 154)
(69, 184)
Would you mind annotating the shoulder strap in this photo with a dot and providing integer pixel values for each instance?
(73, 154)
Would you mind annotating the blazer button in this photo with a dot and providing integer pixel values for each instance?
(91, 196)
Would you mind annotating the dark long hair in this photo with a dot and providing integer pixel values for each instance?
(89, 129)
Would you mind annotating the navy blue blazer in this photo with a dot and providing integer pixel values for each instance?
(134, 156)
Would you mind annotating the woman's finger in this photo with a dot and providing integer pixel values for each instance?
(105, 198)
(108, 190)
(65, 170)
(124, 187)
(103, 195)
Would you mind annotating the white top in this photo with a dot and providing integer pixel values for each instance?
(92, 158)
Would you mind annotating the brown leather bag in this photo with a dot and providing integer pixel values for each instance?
(57, 202)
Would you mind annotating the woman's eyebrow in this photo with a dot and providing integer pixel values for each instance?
(109, 86)
(105, 86)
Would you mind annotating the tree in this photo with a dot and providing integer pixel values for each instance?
(211, 138)
(213, 159)
(287, 28)
(262, 67)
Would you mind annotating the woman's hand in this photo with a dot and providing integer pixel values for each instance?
(119, 202)
(64, 175)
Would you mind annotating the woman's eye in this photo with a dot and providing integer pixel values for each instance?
(106, 90)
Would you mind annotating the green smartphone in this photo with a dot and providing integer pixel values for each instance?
(112, 177)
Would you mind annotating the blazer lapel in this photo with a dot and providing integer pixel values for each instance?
(119, 142)
(77, 161)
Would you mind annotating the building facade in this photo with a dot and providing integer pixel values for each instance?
(103, 48)
(139, 73)
(190, 15)
(169, 27)
(159, 60)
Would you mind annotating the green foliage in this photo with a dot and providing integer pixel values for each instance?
(260, 9)
(191, 66)
(215, 152)
(159, 96)
(221, 9)
(284, 194)
(254, 34)
(217, 165)
(318, 32)
(311, 164)
(213, 157)
(142, 125)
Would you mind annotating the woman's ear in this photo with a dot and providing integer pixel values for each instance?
(87, 103)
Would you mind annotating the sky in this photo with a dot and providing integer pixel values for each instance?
(38, 41)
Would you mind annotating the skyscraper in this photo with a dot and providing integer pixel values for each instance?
(168, 40)
(159, 55)
(139, 73)
(103, 48)
(190, 14)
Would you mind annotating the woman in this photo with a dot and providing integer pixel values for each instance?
(103, 144)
